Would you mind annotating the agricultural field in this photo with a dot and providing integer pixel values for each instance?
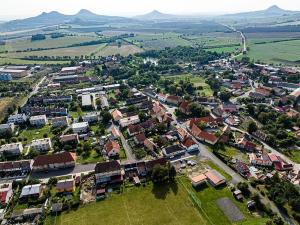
(158, 40)
(166, 204)
(123, 50)
(283, 52)
(15, 61)
(198, 81)
(61, 52)
(21, 45)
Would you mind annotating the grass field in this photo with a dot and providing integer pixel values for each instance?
(285, 52)
(36, 133)
(152, 205)
(4, 104)
(294, 155)
(198, 81)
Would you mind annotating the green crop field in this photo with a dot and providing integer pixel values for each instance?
(215, 39)
(284, 52)
(161, 204)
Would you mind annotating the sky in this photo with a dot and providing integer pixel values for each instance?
(13, 9)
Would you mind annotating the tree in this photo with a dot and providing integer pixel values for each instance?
(252, 127)
(225, 96)
(106, 117)
(197, 110)
(160, 174)
(172, 172)
(243, 186)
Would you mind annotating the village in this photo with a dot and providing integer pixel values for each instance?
(78, 138)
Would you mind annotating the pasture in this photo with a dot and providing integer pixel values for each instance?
(177, 203)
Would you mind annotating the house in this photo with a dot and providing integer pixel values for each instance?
(264, 91)
(136, 99)
(198, 180)
(203, 135)
(67, 185)
(61, 121)
(31, 191)
(15, 169)
(247, 145)
(81, 127)
(112, 148)
(17, 119)
(279, 164)
(149, 144)
(229, 108)
(238, 195)
(115, 133)
(173, 100)
(69, 139)
(41, 145)
(90, 118)
(260, 160)
(71, 70)
(54, 162)
(172, 151)
(184, 107)
(116, 115)
(182, 133)
(6, 193)
(108, 173)
(48, 111)
(161, 97)
(40, 120)
(215, 178)
(125, 122)
(190, 145)
(139, 138)
(242, 169)
(13, 149)
(7, 128)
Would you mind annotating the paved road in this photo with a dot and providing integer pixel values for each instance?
(78, 169)
(127, 148)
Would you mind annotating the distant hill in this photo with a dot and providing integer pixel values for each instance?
(273, 11)
(56, 18)
(155, 15)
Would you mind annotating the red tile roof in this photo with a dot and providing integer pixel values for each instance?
(110, 145)
(64, 157)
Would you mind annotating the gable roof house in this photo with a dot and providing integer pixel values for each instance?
(116, 115)
(54, 162)
(69, 139)
(139, 138)
(125, 122)
(190, 145)
(112, 148)
(172, 151)
(6, 193)
(173, 100)
(215, 178)
(148, 143)
(67, 185)
(108, 173)
(31, 191)
(184, 107)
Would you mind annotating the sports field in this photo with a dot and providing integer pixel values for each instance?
(167, 205)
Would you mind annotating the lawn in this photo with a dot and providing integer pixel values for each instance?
(93, 157)
(294, 155)
(284, 52)
(151, 205)
(165, 205)
(198, 81)
(36, 133)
